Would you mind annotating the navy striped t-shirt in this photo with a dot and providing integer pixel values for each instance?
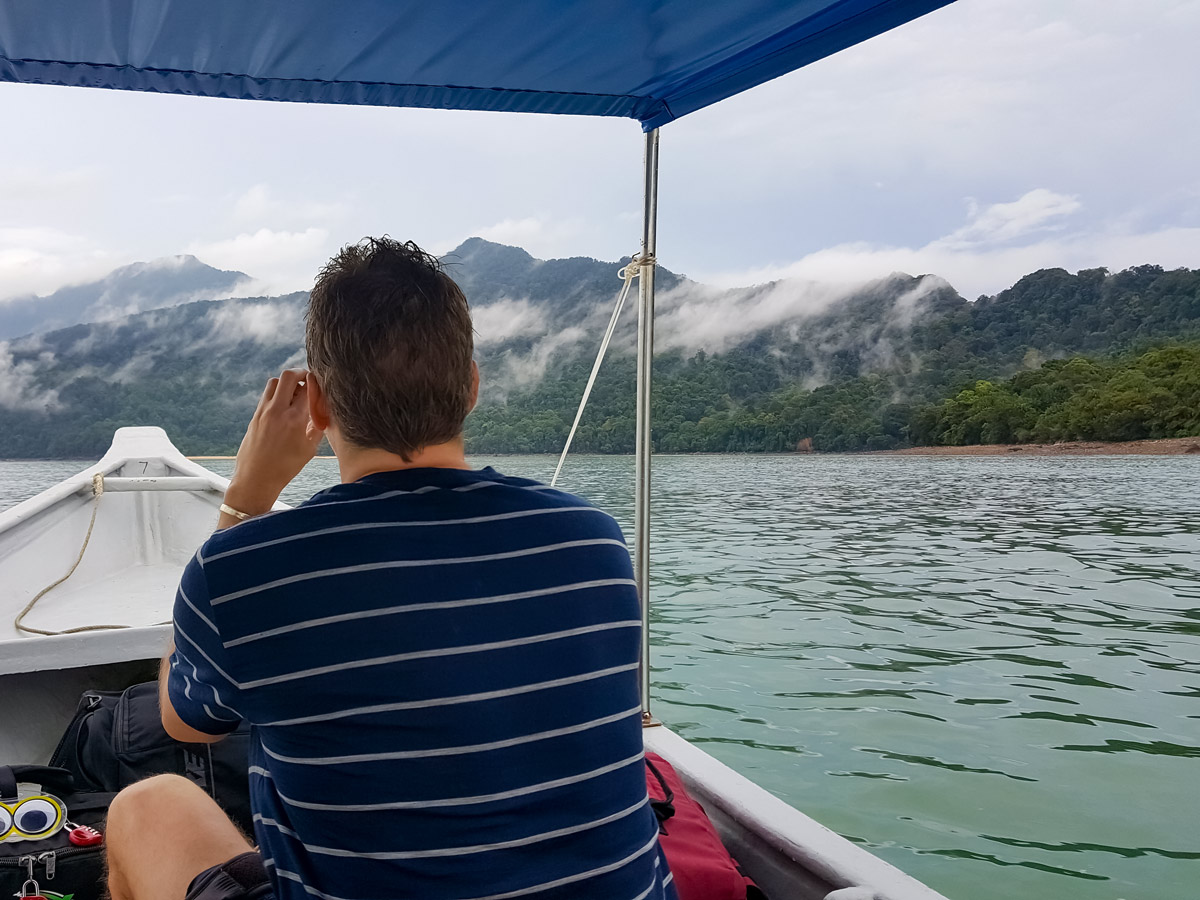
(440, 666)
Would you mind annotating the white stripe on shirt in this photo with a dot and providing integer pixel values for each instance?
(436, 604)
(419, 563)
(461, 698)
(468, 850)
(465, 801)
(203, 618)
(452, 751)
(437, 652)
(426, 523)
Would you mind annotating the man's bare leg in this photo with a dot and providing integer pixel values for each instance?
(162, 833)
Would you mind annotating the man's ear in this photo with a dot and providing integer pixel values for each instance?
(474, 384)
(318, 405)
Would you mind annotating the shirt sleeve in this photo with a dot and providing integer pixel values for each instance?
(199, 685)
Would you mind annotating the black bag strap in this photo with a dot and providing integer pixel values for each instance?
(665, 808)
(66, 754)
(57, 780)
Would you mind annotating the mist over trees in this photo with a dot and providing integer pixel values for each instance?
(1069, 357)
(901, 360)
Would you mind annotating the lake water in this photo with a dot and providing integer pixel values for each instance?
(987, 670)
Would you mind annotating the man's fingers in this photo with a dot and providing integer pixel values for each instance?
(267, 394)
(289, 381)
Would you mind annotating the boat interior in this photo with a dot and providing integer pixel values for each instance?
(123, 548)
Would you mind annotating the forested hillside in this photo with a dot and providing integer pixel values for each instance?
(876, 393)
(872, 366)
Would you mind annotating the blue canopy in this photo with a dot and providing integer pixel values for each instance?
(651, 60)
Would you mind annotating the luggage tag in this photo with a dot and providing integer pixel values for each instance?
(31, 816)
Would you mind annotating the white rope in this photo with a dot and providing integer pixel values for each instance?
(628, 272)
(97, 493)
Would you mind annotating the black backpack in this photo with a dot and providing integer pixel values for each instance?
(117, 738)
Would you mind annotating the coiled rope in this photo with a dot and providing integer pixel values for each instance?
(628, 273)
(97, 493)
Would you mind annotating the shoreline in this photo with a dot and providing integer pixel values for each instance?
(1185, 446)
(1157, 447)
(234, 457)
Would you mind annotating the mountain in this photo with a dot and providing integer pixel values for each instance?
(565, 289)
(758, 368)
(168, 281)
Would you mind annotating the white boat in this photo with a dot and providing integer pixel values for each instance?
(652, 62)
(140, 513)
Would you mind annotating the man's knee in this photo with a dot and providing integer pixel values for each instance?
(151, 803)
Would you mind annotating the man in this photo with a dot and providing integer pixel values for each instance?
(440, 664)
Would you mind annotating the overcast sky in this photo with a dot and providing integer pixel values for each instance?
(986, 140)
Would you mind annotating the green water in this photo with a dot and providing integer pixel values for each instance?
(987, 670)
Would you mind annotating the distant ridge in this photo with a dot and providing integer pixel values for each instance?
(765, 367)
(140, 286)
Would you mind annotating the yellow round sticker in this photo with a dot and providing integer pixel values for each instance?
(31, 818)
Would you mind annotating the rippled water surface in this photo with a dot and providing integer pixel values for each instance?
(987, 670)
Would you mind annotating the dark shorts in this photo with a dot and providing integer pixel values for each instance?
(242, 878)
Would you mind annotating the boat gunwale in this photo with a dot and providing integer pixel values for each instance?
(29, 652)
(780, 829)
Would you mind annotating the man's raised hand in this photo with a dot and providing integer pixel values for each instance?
(279, 442)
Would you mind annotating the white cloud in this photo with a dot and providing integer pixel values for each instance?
(1032, 212)
(25, 188)
(253, 205)
(506, 319)
(39, 259)
(543, 235)
(271, 324)
(523, 370)
(18, 389)
(262, 205)
(692, 315)
(996, 247)
(280, 261)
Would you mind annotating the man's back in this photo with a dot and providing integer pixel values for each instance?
(441, 666)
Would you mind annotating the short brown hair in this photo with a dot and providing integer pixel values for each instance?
(388, 333)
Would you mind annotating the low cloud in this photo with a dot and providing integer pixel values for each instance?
(506, 320)
(998, 245)
(523, 370)
(39, 259)
(1037, 211)
(18, 387)
(119, 300)
(694, 316)
(271, 323)
(281, 261)
(543, 235)
(261, 205)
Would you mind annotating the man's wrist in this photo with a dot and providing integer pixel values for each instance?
(251, 503)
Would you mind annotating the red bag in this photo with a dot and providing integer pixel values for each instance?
(702, 867)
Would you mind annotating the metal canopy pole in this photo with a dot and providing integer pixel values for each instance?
(645, 359)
